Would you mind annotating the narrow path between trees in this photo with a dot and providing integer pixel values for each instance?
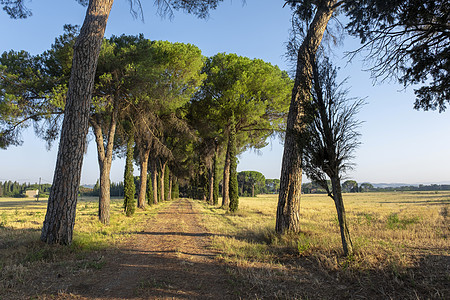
(171, 259)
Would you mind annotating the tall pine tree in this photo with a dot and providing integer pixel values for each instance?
(129, 202)
(233, 185)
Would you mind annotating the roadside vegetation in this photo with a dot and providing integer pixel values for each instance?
(401, 247)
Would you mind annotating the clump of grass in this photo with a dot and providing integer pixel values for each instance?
(3, 220)
(395, 222)
(444, 212)
(12, 275)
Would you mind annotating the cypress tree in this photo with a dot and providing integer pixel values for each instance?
(233, 184)
(175, 188)
(129, 202)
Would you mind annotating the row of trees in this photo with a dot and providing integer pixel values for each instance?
(15, 189)
(175, 113)
(406, 39)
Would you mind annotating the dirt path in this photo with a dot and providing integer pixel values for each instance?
(169, 260)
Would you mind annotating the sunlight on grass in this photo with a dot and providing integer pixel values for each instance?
(390, 233)
(22, 254)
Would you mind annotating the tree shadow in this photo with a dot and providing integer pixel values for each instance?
(310, 277)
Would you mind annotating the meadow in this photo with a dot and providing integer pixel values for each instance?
(401, 242)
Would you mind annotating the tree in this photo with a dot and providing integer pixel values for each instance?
(170, 74)
(366, 187)
(233, 184)
(167, 185)
(350, 186)
(215, 178)
(329, 139)
(32, 90)
(408, 40)
(254, 91)
(272, 186)
(288, 209)
(60, 216)
(115, 78)
(149, 194)
(251, 183)
(129, 202)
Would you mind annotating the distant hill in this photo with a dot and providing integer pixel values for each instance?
(89, 186)
(394, 185)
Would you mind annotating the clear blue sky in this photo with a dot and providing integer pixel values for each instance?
(399, 144)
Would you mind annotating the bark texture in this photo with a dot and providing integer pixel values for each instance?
(61, 210)
(144, 155)
(288, 209)
(233, 183)
(104, 156)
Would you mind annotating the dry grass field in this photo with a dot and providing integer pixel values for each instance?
(401, 241)
(24, 259)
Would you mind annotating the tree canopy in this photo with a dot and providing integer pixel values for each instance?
(407, 39)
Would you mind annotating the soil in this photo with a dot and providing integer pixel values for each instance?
(172, 259)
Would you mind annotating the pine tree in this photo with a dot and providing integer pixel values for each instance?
(233, 185)
(129, 202)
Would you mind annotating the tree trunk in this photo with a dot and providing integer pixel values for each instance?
(104, 157)
(226, 181)
(170, 186)
(233, 188)
(211, 185)
(61, 209)
(215, 179)
(288, 210)
(154, 181)
(143, 184)
(128, 182)
(347, 245)
(161, 178)
(253, 189)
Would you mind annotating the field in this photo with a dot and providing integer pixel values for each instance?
(401, 242)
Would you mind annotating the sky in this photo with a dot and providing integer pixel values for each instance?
(398, 144)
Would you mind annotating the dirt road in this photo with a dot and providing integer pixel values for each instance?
(171, 259)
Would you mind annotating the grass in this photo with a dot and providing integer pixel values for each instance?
(400, 239)
(401, 242)
(23, 257)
